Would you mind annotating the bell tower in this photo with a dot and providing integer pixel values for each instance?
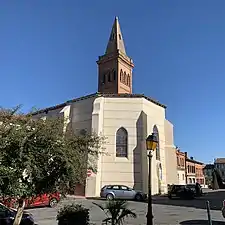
(115, 67)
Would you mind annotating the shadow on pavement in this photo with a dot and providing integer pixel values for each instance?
(201, 222)
(215, 199)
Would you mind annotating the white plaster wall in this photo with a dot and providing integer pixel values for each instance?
(82, 115)
(170, 152)
(156, 116)
(51, 113)
(181, 175)
(137, 116)
(81, 118)
(105, 116)
(67, 117)
(97, 127)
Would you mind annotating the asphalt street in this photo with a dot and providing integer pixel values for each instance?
(166, 211)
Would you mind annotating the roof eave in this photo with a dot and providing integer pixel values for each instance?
(98, 94)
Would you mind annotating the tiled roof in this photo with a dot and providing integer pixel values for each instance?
(194, 161)
(180, 153)
(97, 94)
(220, 160)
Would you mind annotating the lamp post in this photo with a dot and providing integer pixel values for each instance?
(151, 144)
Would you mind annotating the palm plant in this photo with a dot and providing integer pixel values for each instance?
(116, 212)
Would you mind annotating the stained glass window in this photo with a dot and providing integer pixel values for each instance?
(121, 142)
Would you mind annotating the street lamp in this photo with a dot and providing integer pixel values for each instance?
(151, 144)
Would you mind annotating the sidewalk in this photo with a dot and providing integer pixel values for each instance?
(73, 197)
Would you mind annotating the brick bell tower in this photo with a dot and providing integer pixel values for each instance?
(115, 67)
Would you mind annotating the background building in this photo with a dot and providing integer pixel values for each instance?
(208, 170)
(219, 164)
(181, 162)
(194, 171)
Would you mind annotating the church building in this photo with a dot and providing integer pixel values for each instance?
(125, 119)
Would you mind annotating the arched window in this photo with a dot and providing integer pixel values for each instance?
(128, 80)
(121, 75)
(114, 74)
(109, 77)
(121, 142)
(104, 79)
(157, 151)
(178, 163)
(124, 77)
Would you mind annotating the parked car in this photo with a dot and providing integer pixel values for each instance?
(122, 192)
(196, 188)
(7, 216)
(35, 201)
(180, 191)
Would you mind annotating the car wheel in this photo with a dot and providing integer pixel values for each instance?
(53, 202)
(138, 197)
(109, 197)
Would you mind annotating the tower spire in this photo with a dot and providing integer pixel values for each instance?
(115, 67)
(115, 42)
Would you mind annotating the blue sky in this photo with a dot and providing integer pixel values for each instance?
(48, 53)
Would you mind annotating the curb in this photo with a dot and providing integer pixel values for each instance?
(75, 197)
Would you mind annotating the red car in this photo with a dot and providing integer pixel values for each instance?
(35, 201)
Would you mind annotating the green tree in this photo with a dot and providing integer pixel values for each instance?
(37, 156)
(219, 177)
(215, 185)
(116, 211)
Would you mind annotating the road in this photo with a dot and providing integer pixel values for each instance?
(166, 212)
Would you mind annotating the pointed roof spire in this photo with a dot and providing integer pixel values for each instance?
(116, 39)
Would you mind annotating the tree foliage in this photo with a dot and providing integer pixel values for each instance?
(215, 185)
(219, 177)
(36, 156)
(73, 214)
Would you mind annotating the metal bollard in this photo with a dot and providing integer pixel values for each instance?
(208, 213)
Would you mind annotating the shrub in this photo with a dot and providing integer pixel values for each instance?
(215, 185)
(219, 177)
(116, 212)
(73, 214)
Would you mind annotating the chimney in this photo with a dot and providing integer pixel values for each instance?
(191, 158)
